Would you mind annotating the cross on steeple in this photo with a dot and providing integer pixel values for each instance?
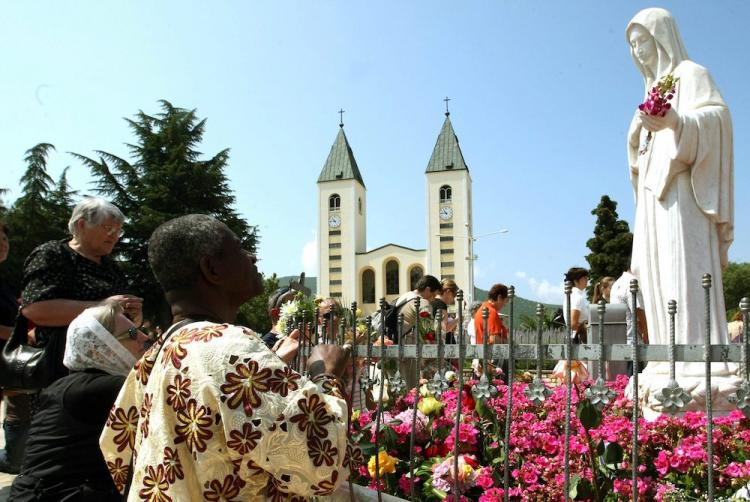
(341, 117)
(447, 112)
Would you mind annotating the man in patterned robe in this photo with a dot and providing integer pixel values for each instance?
(210, 413)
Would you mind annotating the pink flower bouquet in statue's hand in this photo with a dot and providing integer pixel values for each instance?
(658, 103)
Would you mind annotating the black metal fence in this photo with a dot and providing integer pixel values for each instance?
(673, 397)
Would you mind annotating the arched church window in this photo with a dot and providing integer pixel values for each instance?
(391, 278)
(359, 204)
(415, 274)
(368, 286)
(446, 193)
(334, 202)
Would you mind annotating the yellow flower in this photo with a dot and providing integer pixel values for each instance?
(355, 415)
(464, 472)
(386, 464)
(429, 405)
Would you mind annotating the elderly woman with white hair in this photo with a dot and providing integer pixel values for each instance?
(63, 278)
(63, 461)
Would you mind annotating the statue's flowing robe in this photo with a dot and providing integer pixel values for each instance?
(684, 213)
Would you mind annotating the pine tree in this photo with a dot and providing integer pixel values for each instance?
(166, 178)
(40, 214)
(611, 245)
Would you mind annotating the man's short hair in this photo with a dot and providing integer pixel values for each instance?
(576, 273)
(497, 291)
(177, 246)
(429, 281)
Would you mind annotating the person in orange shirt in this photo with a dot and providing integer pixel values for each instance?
(496, 330)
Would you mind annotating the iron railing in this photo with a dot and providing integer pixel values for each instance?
(673, 398)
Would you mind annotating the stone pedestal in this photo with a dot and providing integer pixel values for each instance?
(725, 381)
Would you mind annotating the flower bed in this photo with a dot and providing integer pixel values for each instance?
(672, 457)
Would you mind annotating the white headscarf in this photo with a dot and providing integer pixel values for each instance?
(90, 346)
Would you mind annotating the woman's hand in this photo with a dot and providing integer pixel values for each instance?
(655, 123)
(131, 305)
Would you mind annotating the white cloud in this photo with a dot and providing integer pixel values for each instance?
(543, 290)
(310, 258)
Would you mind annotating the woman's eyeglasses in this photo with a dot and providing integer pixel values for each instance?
(112, 230)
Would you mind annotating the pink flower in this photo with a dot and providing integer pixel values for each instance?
(484, 480)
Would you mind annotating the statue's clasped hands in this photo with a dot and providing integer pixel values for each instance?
(655, 123)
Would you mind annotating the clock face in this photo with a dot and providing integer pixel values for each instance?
(446, 213)
(334, 221)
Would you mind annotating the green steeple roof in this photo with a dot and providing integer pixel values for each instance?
(340, 164)
(446, 155)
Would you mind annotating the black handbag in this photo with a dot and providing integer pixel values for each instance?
(26, 368)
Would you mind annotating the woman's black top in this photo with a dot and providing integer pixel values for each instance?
(8, 305)
(62, 457)
(53, 271)
(438, 304)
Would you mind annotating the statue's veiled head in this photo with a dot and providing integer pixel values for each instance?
(655, 43)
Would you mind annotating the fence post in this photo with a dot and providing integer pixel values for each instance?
(709, 404)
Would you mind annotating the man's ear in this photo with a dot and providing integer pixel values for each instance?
(209, 270)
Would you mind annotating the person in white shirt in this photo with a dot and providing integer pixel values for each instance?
(579, 304)
(621, 294)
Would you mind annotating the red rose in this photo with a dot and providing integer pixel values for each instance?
(424, 314)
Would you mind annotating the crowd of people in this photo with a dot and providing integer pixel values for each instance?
(211, 407)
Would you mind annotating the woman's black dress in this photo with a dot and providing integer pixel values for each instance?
(53, 271)
(63, 461)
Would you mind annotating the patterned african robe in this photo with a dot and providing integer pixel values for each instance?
(217, 416)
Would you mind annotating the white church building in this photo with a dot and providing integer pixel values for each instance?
(349, 271)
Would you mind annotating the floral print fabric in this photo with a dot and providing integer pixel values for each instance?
(214, 415)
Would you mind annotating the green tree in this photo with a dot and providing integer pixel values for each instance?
(166, 177)
(254, 313)
(611, 245)
(736, 279)
(40, 214)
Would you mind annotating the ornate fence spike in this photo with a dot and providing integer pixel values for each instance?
(636, 371)
(459, 400)
(397, 384)
(709, 404)
(742, 397)
(509, 406)
(569, 387)
(366, 381)
(484, 388)
(599, 394)
(438, 384)
(673, 398)
(537, 392)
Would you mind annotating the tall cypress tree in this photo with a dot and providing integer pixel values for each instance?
(40, 214)
(166, 177)
(611, 245)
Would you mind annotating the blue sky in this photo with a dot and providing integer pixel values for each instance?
(542, 94)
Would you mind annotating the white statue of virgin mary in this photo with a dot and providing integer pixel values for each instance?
(683, 182)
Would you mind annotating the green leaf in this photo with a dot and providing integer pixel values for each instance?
(584, 490)
(589, 416)
(600, 448)
(613, 453)
(573, 487)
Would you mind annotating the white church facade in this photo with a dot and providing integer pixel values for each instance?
(349, 271)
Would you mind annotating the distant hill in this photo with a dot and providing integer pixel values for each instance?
(521, 306)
